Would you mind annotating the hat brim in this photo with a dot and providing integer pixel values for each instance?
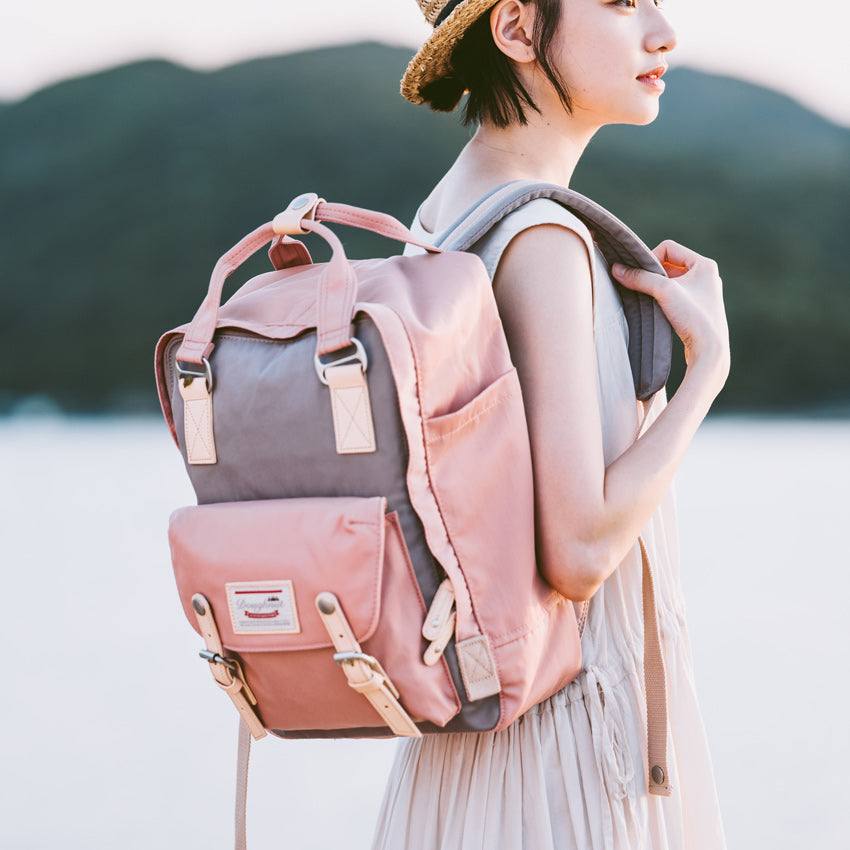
(432, 59)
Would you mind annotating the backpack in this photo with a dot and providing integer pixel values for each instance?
(355, 506)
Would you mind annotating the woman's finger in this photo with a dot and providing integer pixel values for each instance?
(676, 257)
(644, 281)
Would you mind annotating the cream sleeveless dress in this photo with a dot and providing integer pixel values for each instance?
(569, 774)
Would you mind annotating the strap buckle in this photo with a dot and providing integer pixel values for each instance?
(347, 656)
(234, 678)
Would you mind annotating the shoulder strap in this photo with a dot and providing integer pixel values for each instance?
(650, 334)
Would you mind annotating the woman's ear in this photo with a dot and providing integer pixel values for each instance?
(512, 28)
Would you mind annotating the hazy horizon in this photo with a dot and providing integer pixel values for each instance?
(51, 41)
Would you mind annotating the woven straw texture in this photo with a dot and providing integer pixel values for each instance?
(432, 59)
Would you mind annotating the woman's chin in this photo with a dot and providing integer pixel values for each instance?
(645, 114)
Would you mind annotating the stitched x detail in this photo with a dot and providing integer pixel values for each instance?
(352, 401)
(479, 660)
(197, 413)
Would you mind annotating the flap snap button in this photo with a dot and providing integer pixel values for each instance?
(657, 774)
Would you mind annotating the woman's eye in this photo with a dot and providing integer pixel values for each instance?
(631, 4)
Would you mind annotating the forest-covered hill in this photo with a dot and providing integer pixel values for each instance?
(119, 191)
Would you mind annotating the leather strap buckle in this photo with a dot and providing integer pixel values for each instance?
(363, 672)
(348, 656)
(226, 671)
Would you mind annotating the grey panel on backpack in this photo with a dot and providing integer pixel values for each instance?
(650, 334)
(275, 440)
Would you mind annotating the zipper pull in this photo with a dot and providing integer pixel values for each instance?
(438, 613)
(435, 649)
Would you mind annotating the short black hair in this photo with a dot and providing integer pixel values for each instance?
(495, 91)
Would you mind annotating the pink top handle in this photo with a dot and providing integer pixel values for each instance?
(337, 287)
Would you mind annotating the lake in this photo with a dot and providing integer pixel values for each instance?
(115, 734)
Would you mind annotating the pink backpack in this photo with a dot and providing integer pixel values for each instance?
(361, 560)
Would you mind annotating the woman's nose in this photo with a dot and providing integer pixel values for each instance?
(663, 36)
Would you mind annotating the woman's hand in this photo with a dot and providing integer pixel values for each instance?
(691, 298)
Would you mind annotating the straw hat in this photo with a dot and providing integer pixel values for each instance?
(450, 19)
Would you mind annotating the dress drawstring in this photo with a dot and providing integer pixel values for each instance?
(610, 740)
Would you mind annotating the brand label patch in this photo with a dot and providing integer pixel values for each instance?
(266, 607)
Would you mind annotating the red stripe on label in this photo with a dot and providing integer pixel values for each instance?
(278, 590)
(262, 616)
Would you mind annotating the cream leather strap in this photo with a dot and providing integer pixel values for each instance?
(198, 434)
(227, 672)
(364, 673)
(658, 777)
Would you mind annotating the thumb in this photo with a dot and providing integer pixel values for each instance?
(637, 278)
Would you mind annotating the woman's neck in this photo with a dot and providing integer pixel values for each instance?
(496, 155)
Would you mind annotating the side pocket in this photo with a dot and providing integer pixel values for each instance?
(479, 460)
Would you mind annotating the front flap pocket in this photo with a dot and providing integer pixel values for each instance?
(262, 563)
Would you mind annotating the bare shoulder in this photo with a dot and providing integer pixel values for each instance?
(540, 259)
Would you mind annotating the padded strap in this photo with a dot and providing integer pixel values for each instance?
(650, 334)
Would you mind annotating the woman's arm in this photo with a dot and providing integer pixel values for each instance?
(586, 516)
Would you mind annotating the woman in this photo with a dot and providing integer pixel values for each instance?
(567, 774)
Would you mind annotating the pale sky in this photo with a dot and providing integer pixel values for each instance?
(797, 47)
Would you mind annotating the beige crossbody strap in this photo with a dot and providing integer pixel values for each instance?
(243, 753)
(658, 778)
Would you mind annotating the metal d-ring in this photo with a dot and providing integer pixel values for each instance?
(191, 375)
(359, 355)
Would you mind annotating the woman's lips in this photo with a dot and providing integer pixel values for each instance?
(655, 83)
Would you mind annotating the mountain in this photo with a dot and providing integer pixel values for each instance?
(120, 190)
